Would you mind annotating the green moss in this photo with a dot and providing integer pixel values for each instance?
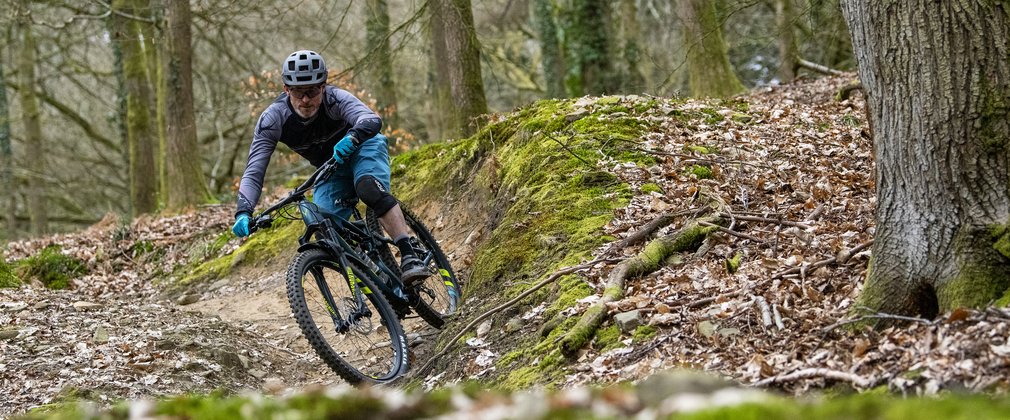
(650, 188)
(864, 406)
(51, 267)
(982, 276)
(608, 338)
(263, 247)
(697, 149)
(644, 333)
(571, 288)
(700, 171)
(733, 264)
(7, 277)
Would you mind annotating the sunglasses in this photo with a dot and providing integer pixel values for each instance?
(310, 93)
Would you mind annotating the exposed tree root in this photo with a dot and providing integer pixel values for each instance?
(846, 91)
(819, 68)
(650, 259)
(553, 277)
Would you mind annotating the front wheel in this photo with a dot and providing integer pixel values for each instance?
(437, 297)
(345, 319)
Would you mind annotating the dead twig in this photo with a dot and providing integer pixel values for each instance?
(803, 268)
(879, 315)
(733, 232)
(765, 220)
(705, 301)
(658, 223)
(855, 380)
(506, 305)
(766, 314)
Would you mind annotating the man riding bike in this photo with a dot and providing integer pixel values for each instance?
(318, 121)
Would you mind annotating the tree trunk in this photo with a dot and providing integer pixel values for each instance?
(140, 128)
(552, 57)
(788, 51)
(185, 185)
(383, 85)
(937, 82)
(456, 48)
(439, 110)
(631, 80)
(7, 186)
(709, 71)
(35, 151)
(591, 48)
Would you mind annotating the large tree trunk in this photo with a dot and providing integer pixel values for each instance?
(709, 71)
(459, 52)
(937, 82)
(591, 49)
(788, 50)
(141, 130)
(35, 151)
(551, 56)
(185, 185)
(632, 80)
(7, 186)
(383, 85)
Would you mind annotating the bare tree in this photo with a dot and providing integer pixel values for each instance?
(937, 81)
(591, 48)
(709, 71)
(457, 58)
(383, 85)
(142, 131)
(7, 187)
(184, 185)
(34, 147)
(552, 57)
(788, 49)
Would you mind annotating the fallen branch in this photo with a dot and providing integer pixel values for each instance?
(734, 233)
(880, 315)
(658, 223)
(766, 314)
(648, 260)
(819, 68)
(506, 305)
(846, 91)
(855, 380)
(705, 301)
(766, 220)
(823, 262)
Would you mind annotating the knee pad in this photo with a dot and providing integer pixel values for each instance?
(374, 195)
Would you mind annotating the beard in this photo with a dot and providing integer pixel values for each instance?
(307, 112)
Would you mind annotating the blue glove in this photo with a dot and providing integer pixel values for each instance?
(241, 226)
(344, 149)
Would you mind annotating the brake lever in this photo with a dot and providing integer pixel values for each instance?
(261, 222)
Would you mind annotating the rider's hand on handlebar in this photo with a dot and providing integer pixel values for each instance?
(241, 226)
(344, 149)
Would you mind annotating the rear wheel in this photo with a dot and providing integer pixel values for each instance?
(438, 296)
(348, 323)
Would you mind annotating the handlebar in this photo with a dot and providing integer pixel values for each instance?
(264, 219)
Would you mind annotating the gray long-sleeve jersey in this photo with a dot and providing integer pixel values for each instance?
(340, 114)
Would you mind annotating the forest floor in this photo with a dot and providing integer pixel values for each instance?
(794, 174)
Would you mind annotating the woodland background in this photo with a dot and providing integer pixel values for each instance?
(95, 102)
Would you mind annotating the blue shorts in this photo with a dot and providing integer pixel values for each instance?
(336, 195)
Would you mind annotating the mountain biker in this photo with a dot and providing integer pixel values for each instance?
(319, 121)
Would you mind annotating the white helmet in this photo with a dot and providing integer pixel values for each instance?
(303, 68)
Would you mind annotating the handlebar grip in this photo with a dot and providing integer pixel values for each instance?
(262, 222)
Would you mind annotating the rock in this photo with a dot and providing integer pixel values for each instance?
(13, 306)
(664, 319)
(258, 374)
(219, 284)
(188, 299)
(657, 388)
(86, 306)
(577, 115)
(8, 334)
(628, 321)
(484, 328)
(41, 305)
(706, 328)
(101, 336)
(514, 324)
(273, 385)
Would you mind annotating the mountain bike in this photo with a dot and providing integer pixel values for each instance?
(344, 286)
